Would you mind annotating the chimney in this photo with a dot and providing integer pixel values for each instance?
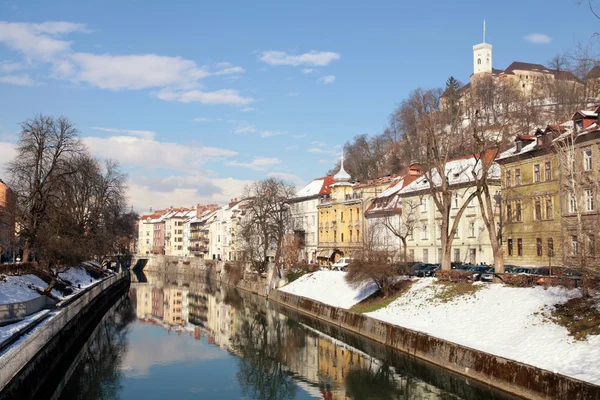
(415, 169)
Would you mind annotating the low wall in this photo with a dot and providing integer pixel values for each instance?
(174, 264)
(17, 357)
(508, 375)
(17, 311)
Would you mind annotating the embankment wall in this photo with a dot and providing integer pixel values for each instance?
(511, 376)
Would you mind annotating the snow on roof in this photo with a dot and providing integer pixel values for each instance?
(587, 113)
(316, 187)
(457, 171)
(513, 150)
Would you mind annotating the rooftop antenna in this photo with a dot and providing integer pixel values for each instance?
(484, 31)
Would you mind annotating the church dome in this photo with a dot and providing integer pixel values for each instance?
(342, 175)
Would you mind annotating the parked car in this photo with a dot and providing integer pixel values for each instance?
(419, 267)
(341, 264)
(428, 271)
(522, 270)
(488, 275)
(477, 271)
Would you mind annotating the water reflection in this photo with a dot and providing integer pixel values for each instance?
(196, 339)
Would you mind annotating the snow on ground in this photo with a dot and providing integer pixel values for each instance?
(20, 288)
(8, 330)
(501, 320)
(77, 276)
(329, 287)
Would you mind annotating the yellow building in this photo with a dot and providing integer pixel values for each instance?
(531, 218)
(342, 227)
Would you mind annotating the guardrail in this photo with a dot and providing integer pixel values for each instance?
(17, 311)
(16, 357)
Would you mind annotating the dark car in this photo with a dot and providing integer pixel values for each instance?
(427, 271)
(477, 271)
(488, 275)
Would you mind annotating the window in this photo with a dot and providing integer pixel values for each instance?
(472, 256)
(507, 179)
(509, 245)
(334, 236)
(423, 205)
(479, 61)
(425, 256)
(439, 230)
(592, 245)
(538, 209)
(517, 177)
(509, 212)
(342, 219)
(572, 203)
(411, 254)
(538, 246)
(471, 229)
(589, 200)
(457, 255)
(550, 247)
(548, 171)
(455, 199)
(350, 235)
(424, 231)
(549, 214)
(357, 235)
(342, 236)
(536, 173)
(574, 245)
(587, 160)
(519, 247)
(518, 211)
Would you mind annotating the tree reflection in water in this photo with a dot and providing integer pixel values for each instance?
(261, 371)
(98, 374)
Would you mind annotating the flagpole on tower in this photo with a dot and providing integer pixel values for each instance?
(484, 31)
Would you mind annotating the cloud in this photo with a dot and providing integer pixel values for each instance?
(308, 70)
(19, 80)
(324, 161)
(149, 135)
(8, 67)
(293, 94)
(223, 96)
(318, 144)
(287, 177)
(537, 38)
(40, 41)
(319, 150)
(265, 134)
(229, 71)
(315, 58)
(201, 119)
(327, 79)
(244, 128)
(247, 109)
(149, 153)
(258, 163)
(298, 136)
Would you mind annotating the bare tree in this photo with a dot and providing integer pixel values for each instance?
(44, 151)
(267, 220)
(402, 224)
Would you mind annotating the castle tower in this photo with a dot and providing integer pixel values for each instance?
(482, 56)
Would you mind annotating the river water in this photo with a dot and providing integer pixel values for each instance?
(174, 337)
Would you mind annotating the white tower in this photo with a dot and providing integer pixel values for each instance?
(482, 56)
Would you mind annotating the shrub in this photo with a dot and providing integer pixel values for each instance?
(519, 280)
(296, 273)
(234, 271)
(454, 276)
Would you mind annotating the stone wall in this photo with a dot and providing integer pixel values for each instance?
(176, 264)
(511, 376)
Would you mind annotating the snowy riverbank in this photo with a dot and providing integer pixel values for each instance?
(497, 319)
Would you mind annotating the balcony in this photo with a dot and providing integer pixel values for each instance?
(198, 249)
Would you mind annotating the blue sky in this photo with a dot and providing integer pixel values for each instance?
(195, 99)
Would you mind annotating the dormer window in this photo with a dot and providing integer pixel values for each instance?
(519, 146)
(578, 124)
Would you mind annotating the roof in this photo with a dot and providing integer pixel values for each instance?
(317, 187)
(457, 171)
(594, 73)
(388, 200)
(523, 66)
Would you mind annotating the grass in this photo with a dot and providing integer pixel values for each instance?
(448, 291)
(376, 301)
(579, 315)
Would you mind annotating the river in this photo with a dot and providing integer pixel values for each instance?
(174, 337)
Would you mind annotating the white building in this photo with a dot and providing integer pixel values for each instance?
(305, 216)
(471, 243)
(174, 221)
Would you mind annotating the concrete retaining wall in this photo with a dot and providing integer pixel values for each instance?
(17, 357)
(511, 376)
(17, 311)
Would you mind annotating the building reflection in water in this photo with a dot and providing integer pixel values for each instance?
(276, 354)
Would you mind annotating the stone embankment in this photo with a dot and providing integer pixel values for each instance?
(508, 375)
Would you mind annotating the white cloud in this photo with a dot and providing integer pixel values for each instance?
(223, 96)
(258, 163)
(537, 38)
(40, 41)
(149, 135)
(8, 67)
(324, 161)
(150, 153)
(319, 150)
(7, 152)
(327, 79)
(230, 71)
(19, 80)
(316, 58)
(295, 179)
(244, 128)
(265, 134)
(247, 109)
(201, 119)
(293, 147)
(308, 70)
(318, 144)
(293, 94)
(298, 136)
